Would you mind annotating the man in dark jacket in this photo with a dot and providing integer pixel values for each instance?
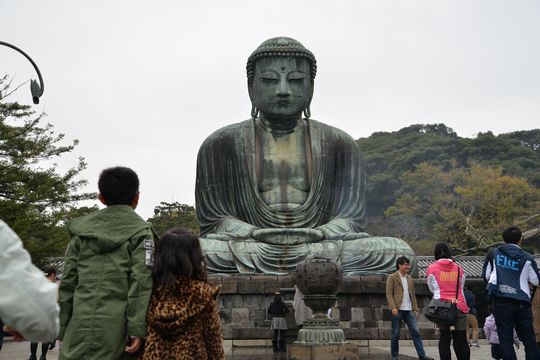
(509, 274)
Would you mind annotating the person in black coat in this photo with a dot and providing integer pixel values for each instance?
(278, 309)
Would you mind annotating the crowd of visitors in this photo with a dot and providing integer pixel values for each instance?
(121, 284)
(125, 291)
(509, 273)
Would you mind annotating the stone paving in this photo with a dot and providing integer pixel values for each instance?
(20, 351)
(481, 353)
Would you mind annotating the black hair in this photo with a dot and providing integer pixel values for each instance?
(512, 235)
(402, 260)
(118, 185)
(441, 251)
(49, 271)
(178, 254)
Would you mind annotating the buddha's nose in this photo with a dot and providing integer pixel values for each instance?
(284, 89)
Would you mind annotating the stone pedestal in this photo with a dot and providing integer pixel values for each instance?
(361, 307)
(361, 310)
(320, 338)
(324, 352)
(320, 332)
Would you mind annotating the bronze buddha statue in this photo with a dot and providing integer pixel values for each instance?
(280, 187)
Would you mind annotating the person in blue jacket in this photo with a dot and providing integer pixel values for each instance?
(509, 270)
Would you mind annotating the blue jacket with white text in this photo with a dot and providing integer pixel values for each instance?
(509, 273)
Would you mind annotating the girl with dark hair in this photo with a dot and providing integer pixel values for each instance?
(183, 319)
(441, 251)
(443, 277)
(278, 309)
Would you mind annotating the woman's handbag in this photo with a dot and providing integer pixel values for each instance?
(442, 312)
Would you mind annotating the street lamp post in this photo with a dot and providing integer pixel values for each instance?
(35, 88)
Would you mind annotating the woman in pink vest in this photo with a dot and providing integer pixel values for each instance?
(442, 280)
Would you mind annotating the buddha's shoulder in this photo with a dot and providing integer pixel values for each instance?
(227, 133)
(330, 130)
(232, 129)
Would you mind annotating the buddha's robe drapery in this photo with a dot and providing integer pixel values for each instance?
(229, 206)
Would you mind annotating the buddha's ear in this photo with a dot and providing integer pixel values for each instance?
(250, 90)
(311, 86)
(254, 110)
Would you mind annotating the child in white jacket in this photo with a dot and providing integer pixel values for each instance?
(490, 330)
(28, 304)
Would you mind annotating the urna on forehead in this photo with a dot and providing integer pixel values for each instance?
(281, 47)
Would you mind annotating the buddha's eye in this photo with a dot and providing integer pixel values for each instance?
(269, 81)
(296, 77)
(269, 78)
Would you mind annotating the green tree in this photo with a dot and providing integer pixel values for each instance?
(467, 207)
(171, 215)
(36, 199)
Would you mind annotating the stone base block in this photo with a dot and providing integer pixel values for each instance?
(323, 352)
(361, 309)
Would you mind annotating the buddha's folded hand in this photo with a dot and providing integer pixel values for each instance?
(287, 236)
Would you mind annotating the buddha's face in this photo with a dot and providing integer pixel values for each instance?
(281, 87)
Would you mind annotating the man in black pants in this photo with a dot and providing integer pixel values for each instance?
(509, 271)
(1, 333)
(50, 273)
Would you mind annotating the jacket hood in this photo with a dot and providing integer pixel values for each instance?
(446, 264)
(179, 304)
(490, 320)
(108, 228)
(513, 251)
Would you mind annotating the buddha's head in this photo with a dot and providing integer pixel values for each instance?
(281, 72)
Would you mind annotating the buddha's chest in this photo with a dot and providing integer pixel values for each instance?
(282, 168)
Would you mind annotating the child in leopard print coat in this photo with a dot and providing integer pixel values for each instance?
(183, 319)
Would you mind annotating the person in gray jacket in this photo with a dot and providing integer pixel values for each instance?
(28, 305)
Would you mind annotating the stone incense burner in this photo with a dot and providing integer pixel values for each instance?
(319, 280)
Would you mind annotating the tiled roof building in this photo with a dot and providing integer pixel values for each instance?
(472, 265)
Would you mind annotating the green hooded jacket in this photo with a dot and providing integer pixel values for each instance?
(107, 284)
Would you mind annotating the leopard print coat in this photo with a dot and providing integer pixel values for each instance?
(183, 322)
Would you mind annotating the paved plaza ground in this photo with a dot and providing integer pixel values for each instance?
(20, 351)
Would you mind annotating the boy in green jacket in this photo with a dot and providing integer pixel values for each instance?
(107, 280)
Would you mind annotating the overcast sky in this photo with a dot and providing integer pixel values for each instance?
(142, 83)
